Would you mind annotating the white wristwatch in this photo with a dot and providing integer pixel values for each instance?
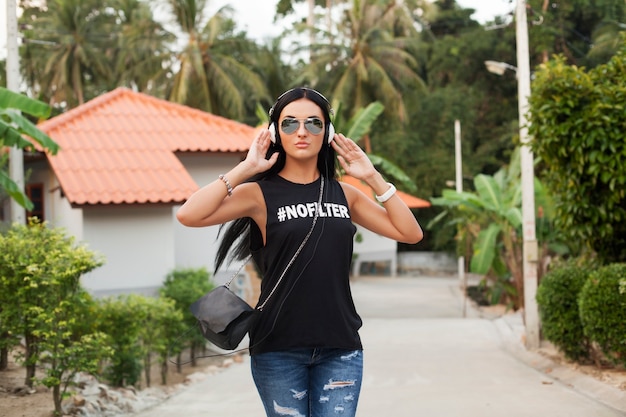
(387, 194)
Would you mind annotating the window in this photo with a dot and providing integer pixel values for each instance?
(35, 193)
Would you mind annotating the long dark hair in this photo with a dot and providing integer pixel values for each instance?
(236, 234)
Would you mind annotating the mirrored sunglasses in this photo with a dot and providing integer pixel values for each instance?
(313, 124)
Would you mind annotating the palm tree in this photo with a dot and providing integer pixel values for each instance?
(371, 61)
(606, 42)
(210, 77)
(143, 58)
(358, 127)
(68, 44)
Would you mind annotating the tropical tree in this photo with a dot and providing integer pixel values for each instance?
(143, 56)
(210, 78)
(579, 30)
(577, 121)
(489, 221)
(40, 270)
(459, 88)
(68, 48)
(371, 59)
(66, 347)
(359, 126)
(15, 129)
(183, 287)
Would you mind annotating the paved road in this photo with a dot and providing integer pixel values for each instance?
(423, 358)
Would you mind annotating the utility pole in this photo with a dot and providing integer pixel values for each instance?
(459, 189)
(16, 155)
(530, 251)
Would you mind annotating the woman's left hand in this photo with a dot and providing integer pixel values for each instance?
(352, 158)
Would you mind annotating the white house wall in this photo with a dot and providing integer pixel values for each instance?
(61, 214)
(196, 247)
(374, 248)
(57, 210)
(138, 246)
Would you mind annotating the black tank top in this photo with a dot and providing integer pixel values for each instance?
(313, 306)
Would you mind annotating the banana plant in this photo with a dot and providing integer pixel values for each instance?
(491, 219)
(16, 130)
(360, 126)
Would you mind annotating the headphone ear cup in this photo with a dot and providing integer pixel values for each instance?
(272, 130)
(331, 133)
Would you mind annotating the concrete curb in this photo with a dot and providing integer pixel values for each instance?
(511, 330)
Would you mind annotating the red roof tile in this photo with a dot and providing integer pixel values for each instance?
(119, 148)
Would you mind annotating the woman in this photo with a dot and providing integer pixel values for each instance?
(296, 220)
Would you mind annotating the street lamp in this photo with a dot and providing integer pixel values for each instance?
(499, 67)
(530, 251)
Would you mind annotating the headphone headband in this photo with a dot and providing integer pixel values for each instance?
(331, 112)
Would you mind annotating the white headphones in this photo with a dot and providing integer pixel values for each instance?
(331, 132)
(331, 128)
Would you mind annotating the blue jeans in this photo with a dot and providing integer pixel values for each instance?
(309, 382)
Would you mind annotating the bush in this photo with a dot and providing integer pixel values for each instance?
(603, 311)
(122, 318)
(557, 298)
(185, 286)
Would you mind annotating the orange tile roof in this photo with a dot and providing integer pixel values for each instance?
(412, 202)
(119, 148)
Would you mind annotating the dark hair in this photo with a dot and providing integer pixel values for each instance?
(236, 234)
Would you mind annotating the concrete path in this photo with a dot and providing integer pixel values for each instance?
(424, 358)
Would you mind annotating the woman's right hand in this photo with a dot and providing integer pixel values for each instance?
(255, 160)
(212, 204)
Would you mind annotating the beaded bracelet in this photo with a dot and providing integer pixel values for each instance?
(229, 188)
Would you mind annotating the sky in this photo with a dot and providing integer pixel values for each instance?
(258, 21)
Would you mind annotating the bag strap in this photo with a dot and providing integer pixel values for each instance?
(293, 258)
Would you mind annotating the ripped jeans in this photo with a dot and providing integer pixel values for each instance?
(309, 382)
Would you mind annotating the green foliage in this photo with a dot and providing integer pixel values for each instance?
(603, 311)
(66, 352)
(122, 318)
(159, 328)
(557, 298)
(358, 127)
(577, 120)
(12, 128)
(42, 301)
(579, 30)
(368, 59)
(75, 41)
(489, 220)
(212, 75)
(184, 287)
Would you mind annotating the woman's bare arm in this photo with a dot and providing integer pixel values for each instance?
(393, 219)
(212, 204)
